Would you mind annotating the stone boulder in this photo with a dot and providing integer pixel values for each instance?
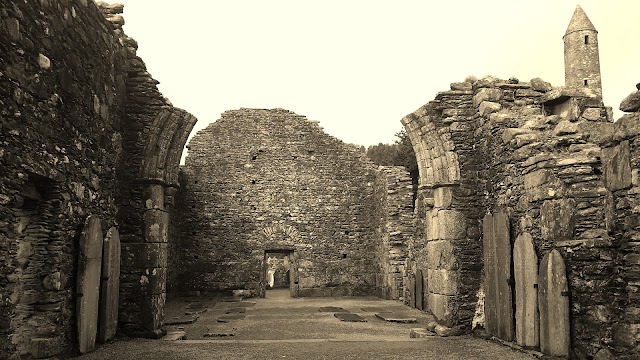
(631, 103)
(540, 85)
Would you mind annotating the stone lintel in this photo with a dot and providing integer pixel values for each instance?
(559, 95)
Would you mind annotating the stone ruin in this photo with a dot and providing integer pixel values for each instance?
(521, 185)
(268, 181)
(84, 131)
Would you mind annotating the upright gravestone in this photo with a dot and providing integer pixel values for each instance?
(412, 292)
(525, 268)
(88, 285)
(498, 305)
(110, 286)
(554, 305)
(419, 290)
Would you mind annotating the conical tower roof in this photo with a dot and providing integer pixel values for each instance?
(579, 21)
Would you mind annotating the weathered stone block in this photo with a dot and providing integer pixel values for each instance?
(527, 93)
(501, 117)
(488, 107)
(509, 134)
(442, 197)
(592, 114)
(631, 103)
(12, 27)
(43, 348)
(625, 335)
(557, 219)
(565, 127)
(154, 195)
(543, 184)
(442, 307)
(156, 226)
(452, 225)
(538, 84)
(153, 311)
(440, 255)
(154, 280)
(617, 166)
(464, 86)
(443, 282)
(431, 224)
(487, 94)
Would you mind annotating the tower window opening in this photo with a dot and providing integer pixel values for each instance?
(586, 82)
(586, 39)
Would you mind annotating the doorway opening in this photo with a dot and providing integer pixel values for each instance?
(279, 272)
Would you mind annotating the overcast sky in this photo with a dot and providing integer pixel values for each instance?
(360, 66)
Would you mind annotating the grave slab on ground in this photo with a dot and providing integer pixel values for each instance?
(349, 317)
(396, 317)
(181, 320)
(195, 311)
(230, 317)
(333, 309)
(236, 310)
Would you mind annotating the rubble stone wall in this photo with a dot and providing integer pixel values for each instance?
(259, 180)
(621, 166)
(394, 204)
(61, 103)
(548, 158)
(81, 121)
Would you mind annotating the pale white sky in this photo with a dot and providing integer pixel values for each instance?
(359, 66)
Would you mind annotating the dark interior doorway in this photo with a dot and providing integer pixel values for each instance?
(279, 271)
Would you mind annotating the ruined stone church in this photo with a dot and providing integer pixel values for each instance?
(524, 221)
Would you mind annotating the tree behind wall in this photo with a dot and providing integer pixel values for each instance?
(400, 153)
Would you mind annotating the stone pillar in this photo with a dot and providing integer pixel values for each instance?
(443, 227)
(145, 261)
(154, 258)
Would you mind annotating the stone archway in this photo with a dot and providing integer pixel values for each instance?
(280, 234)
(280, 241)
(449, 250)
(146, 257)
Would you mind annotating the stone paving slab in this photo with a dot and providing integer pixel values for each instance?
(230, 317)
(333, 309)
(349, 317)
(396, 317)
(230, 299)
(196, 305)
(181, 320)
(195, 311)
(236, 310)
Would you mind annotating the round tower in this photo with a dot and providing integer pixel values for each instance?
(581, 54)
